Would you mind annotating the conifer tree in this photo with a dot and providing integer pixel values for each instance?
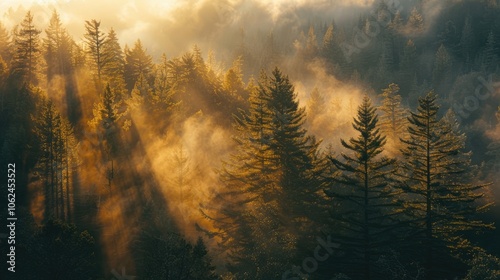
(366, 201)
(57, 46)
(142, 94)
(311, 47)
(272, 175)
(490, 53)
(408, 61)
(5, 44)
(114, 68)
(442, 199)
(58, 157)
(163, 89)
(494, 148)
(467, 42)
(393, 121)
(328, 45)
(442, 68)
(26, 51)
(108, 113)
(415, 21)
(137, 62)
(295, 151)
(233, 80)
(316, 104)
(95, 40)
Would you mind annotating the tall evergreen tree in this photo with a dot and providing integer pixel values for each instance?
(271, 181)
(490, 53)
(5, 44)
(95, 40)
(443, 201)
(467, 42)
(137, 62)
(57, 146)
(107, 121)
(365, 199)
(441, 73)
(415, 21)
(296, 152)
(57, 46)
(393, 121)
(113, 69)
(26, 51)
(409, 59)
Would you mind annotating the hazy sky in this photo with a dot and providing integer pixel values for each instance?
(173, 26)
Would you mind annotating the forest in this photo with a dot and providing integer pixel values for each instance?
(250, 139)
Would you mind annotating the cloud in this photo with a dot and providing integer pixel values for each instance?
(175, 26)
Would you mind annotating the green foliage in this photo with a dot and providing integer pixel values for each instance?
(484, 266)
(442, 204)
(273, 171)
(57, 47)
(137, 63)
(393, 121)
(365, 202)
(415, 21)
(169, 256)
(5, 44)
(25, 62)
(57, 160)
(57, 246)
(113, 64)
(95, 40)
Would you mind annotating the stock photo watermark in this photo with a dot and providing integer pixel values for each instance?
(485, 89)
(321, 253)
(11, 218)
(121, 276)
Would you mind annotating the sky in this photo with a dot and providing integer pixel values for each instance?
(174, 26)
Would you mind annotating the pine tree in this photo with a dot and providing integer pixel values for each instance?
(415, 21)
(95, 40)
(58, 157)
(163, 90)
(271, 181)
(233, 81)
(316, 104)
(311, 48)
(409, 59)
(397, 22)
(4, 73)
(78, 56)
(113, 69)
(294, 149)
(142, 95)
(137, 62)
(442, 67)
(467, 42)
(26, 51)
(393, 121)
(450, 38)
(45, 132)
(57, 46)
(490, 53)
(249, 177)
(328, 46)
(442, 201)
(5, 44)
(494, 148)
(365, 199)
(108, 113)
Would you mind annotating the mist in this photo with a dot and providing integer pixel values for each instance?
(149, 175)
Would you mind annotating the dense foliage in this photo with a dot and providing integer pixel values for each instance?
(98, 133)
